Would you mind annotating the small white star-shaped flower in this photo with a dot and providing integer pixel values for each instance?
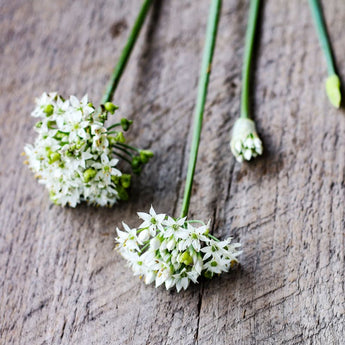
(152, 221)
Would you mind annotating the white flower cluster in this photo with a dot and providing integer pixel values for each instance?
(245, 143)
(72, 153)
(174, 252)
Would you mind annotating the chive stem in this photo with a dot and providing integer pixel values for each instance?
(126, 52)
(122, 157)
(316, 11)
(211, 33)
(247, 59)
(114, 125)
(129, 147)
(213, 237)
(123, 150)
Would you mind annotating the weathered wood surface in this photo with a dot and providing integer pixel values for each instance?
(60, 281)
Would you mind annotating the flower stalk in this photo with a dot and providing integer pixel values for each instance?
(126, 52)
(333, 81)
(245, 143)
(247, 59)
(211, 34)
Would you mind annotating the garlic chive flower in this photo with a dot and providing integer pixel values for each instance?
(174, 252)
(245, 143)
(75, 156)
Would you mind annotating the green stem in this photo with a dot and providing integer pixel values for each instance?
(123, 157)
(141, 229)
(205, 71)
(126, 52)
(213, 238)
(195, 221)
(123, 150)
(247, 59)
(320, 25)
(129, 147)
(145, 246)
(114, 125)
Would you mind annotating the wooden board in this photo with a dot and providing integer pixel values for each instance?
(61, 282)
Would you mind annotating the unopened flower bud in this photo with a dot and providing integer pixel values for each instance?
(53, 157)
(136, 162)
(39, 124)
(245, 142)
(120, 138)
(333, 90)
(144, 236)
(125, 124)
(186, 259)
(145, 155)
(155, 243)
(59, 135)
(115, 179)
(208, 274)
(125, 180)
(150, 277)
(110, 107)
(122, 193)
(171, 244)
(233, 263)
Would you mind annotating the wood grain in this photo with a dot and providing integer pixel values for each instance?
(60, 281)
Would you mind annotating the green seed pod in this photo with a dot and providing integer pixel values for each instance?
(145, 156)
(80, 144)
(115, 179)
(59, 135)
(123, 195)
(39, 124)
(52, 197)
(125, 180)
(208, 274)
(126, 124)
(120, 137)
(53, 157)
(89, 174)
(49, 109)
(136, 162)
(186, 259)
(110, 107)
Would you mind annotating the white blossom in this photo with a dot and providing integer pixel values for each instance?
(174, 252)
(152, 221)
(71, 155)
(174, 228)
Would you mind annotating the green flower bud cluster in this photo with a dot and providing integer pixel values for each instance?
(140, 160)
